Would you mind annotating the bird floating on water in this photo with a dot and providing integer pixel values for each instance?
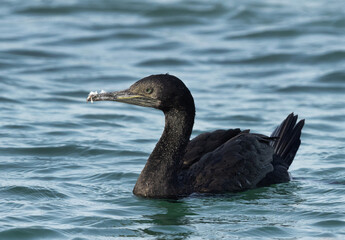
(213, 162)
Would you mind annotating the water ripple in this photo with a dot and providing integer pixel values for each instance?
(160, 46)
(312, 89)
(37, 53)
(333, 77)
(31, 233)
(330, 224)
(210, 10)
(269, 33)
(111, 176)
(164, 62)
(9, 100)
(33, 192)
(101, 38)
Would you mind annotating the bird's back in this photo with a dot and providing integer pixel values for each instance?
(238, 164)
(205, 143)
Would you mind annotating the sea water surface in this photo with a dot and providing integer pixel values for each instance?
(67, 168)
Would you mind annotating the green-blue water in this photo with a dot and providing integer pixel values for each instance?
(67, 168)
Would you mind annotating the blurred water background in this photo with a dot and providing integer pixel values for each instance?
(67, 168)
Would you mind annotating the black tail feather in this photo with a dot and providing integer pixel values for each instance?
(287, 141)
(288, 134)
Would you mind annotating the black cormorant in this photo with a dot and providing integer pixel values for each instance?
(213, 162)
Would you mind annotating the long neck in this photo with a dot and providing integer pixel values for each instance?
(159, 177)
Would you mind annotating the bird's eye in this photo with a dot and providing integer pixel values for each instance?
(149, 90)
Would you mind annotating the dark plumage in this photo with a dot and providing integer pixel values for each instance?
(213, 162)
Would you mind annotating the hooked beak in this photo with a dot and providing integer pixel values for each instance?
(125, 96)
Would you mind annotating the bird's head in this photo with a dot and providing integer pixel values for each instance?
(163, 91)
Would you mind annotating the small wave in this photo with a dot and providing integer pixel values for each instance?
(145, 140)
(31, 233)
(56, 69)
(95, 38)
(105, 124)
(321, 24)
(111, 176)
(66, 100)
(68, 150)
(266, 34)
(60, 133)
(335, 56)
(185, 10)
(33, 192)
(336, 158)
(119, 153)
(332, 77)
(132, 35)
(212, 51)
(62, 124)
(336, 117)
(8, 100)
(81, 7)
(46, 10)
(272, 58)
(241, 118)
(281, 58)
(6, 64)
(110, 117)
(164, 62)
(323, 127)
(42, 151)
(269, 231)
(174, 22)
(38, 53)
(311, 89)
(76, 93)
(332, 223)
(117, 78)
(160, 46)
(19, 127)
